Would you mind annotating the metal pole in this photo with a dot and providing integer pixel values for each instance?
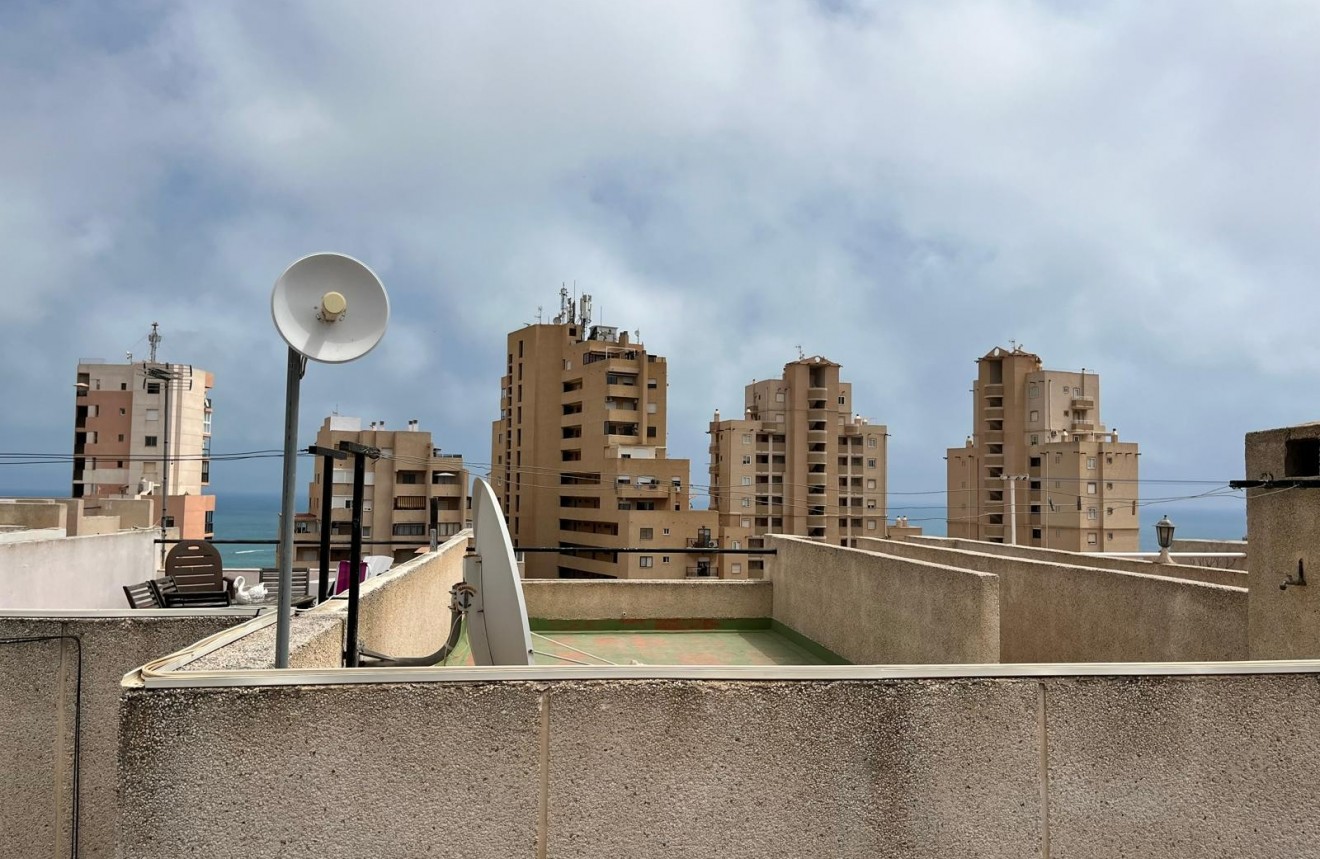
(327, 488)
(355, 559)
(166, 380)
(284, 608)
(1012, 509)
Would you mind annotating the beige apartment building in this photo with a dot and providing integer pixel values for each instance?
(412, 488)
(579, 458)
(799, 461)
(143, 430)
(1040, 469)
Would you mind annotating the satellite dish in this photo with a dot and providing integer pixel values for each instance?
(329, 307)
(498, 632)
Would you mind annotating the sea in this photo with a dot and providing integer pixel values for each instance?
(248, 516)
(1205, 519)
(256, 515)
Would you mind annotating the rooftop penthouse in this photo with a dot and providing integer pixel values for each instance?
(943, 697)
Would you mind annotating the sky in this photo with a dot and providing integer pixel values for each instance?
(1128, 187)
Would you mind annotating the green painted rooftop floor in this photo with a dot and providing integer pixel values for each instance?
(678, 647)
(660, 647)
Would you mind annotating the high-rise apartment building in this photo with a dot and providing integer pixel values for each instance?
(144, 430)
(579, 457)
(412, 488)
(800, 461)
(1040, 469)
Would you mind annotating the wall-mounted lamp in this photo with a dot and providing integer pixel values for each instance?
(1164, 534)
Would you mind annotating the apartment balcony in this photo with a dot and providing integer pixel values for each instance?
(818, 457)
(614, 439)
(627, 392)
(621, 415)
(702, 543)
(993, 413)
(700, 571)
(818, 393)
(993, 390)
(1082, 404)
(993, 436)
(1083, 426)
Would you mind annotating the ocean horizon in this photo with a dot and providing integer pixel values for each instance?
(254, 515)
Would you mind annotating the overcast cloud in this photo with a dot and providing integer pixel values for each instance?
(1126, 187)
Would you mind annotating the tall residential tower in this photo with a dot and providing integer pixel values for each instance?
(799, 461)
(1040, 469)
(579, 459)
(144, 430)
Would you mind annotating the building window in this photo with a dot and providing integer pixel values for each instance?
(870, 441)
(747, 438)
(1090, 488)
(302, 526)
(410, 529)
(1091, 538)
(747, 502)
(747, 459)
(870, 524)
(121, 436)
(870, 463)
(664, 559)
(1091, 513)
(1035, 416)
(1033, 391)
(779, 397)
(153, 387)
(870, 484)
(665, 532)
(746, 523)
(646, 533)
(153, 414)
(1090, 463)
(150, 440)
(123, 411)
(646, 562)
(746, 481)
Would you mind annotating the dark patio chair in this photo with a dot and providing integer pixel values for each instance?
(298, 593)
(143, 595)
(197, 573)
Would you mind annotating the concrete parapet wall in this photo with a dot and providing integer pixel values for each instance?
(880, 609)
(25, 513)
(1007, 767)
(633, 599)
(1063, 613)
(1193, 573)
(69, 573)
(39, 708)
(1284, 528)
(1215, 546)
(404, 612)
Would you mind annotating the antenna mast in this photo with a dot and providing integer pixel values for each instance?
(154, 339)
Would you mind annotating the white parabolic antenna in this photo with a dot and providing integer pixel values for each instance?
(330, 307)
(498, 632)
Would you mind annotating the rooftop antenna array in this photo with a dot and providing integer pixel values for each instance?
(154, 339)
(330, 308)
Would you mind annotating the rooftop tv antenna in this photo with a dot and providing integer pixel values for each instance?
(330, 308)
(154, 339)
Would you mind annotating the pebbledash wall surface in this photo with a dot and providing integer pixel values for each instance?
(218, 754)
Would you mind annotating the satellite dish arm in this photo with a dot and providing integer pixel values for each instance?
(460, 599)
